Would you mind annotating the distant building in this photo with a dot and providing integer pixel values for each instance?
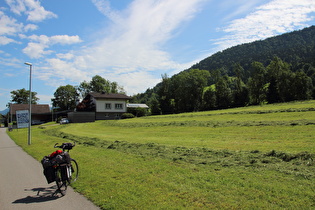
(100, 106)
(40, 112)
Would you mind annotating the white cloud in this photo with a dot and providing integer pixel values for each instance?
(5, 40)
(44, 99)
(104, 7)
(129, 51)
(66, 56)
(30, 27)
(36, 48)
(65, 39)
(17, 6)
(9, 26)
(276, 17)
(65, 70)
(32, 8)
(10, 62)
(135, 80)
(239, 7)
(137, 34)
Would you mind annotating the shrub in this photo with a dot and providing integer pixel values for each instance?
(127, 115)
(138, 112)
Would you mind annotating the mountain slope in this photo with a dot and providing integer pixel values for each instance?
(4, 112)
(294, 48)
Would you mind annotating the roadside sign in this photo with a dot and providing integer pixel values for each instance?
(22, 118)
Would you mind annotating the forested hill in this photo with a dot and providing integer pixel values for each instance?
(277, 69)
(294, 48)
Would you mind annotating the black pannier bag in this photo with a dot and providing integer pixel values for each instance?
(50, 174)
(49, 170)
(62, 158)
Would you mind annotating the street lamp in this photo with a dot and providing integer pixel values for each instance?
(30, 105)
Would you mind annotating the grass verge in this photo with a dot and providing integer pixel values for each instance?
(247, 158)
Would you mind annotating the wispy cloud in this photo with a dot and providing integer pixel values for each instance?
(32, 8)
(130, 51)
(10, 27)
(36, 48)
(276, 17)
(239, 7)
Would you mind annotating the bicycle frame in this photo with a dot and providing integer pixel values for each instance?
(65, 172)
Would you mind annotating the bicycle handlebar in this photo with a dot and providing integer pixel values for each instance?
(65, 146)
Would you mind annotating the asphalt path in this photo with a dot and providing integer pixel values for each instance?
(23, 185)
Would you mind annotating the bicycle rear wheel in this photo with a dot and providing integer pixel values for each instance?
(61, 184)
(74, 171)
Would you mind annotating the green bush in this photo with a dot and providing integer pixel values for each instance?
(127, 116)
(138, 112)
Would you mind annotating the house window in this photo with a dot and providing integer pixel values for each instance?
(108, 106)
(118, 106)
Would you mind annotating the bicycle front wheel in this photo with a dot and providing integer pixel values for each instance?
(74, 171)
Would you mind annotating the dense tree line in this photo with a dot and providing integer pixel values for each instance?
(200, 90)
(277, 69)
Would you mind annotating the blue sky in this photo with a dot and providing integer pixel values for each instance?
(132, 42)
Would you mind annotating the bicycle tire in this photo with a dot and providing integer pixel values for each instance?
(61, 184)
(74, 171)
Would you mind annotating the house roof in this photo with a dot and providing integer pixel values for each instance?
(137, 106)
(109, 96)
(36, 108)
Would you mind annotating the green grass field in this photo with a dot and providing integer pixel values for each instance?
(258, 157)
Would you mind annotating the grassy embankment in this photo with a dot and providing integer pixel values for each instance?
(253, 157)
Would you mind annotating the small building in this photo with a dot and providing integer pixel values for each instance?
(138, 110)
(40, 112)
(144, 106)
(100, 106)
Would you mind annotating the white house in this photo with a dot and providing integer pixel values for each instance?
(104, 106)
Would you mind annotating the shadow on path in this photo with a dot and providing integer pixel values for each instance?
(43, 195)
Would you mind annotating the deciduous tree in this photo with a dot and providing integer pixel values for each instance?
(21, 96)
(99, 84)
(65, 98)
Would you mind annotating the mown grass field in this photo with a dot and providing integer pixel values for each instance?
(258, 157)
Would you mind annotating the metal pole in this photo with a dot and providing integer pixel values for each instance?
(30, 106)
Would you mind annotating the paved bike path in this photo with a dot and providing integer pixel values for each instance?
(23, 185)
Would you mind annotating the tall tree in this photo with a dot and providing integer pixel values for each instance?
(209, 99)
(154, 106)
(165, 95)
(280, 77)
(21, 96)
(189, 88)
(223, 93)
(65, 98)
(240, 92)
(84, 88)
(257, 84)
(99, 84)
(303, 86)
